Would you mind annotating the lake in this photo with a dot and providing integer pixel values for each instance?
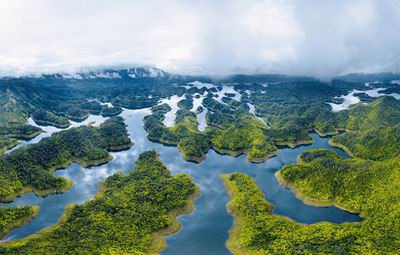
(207, 228)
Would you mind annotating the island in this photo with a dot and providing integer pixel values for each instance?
(129, 215)
(31, 168)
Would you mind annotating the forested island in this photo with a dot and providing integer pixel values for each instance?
(129, 215)
(31, 168)
(46, 118)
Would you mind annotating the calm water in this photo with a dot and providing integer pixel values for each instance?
(206, 229)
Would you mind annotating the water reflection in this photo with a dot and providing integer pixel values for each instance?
(170, 116)
(47, 131)
(206, 229)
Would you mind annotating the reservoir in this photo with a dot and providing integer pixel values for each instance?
(207, 228)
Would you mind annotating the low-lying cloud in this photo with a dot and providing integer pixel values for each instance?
(311, 37)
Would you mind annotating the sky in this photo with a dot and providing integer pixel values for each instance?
(306, 37)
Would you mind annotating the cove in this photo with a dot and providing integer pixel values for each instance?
(207, 228)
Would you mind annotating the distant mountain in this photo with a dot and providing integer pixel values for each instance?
(362, 77)
(148, 73)
(131, 73)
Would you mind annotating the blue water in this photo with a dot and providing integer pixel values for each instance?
(206, 230)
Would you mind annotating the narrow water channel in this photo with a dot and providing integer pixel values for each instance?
(206, 229)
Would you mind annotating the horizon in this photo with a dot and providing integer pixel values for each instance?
(102, 69)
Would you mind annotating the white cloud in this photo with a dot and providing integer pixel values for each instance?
(217, 37)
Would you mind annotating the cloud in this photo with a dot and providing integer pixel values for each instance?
(322, 38)
(348, 36)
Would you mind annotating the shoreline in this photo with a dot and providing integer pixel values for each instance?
(20, 222)
(232, 243)
(311, 201)
(77, 119)
(26, 137)
(41, 193)
(236, 154)
(294, 144)
(158, 241)
(69, 183)
(50, 123)
(9, 146)
(119, 148)
(158, 238)
(42, 232)
(193, 159)
(325, 134)
(341, 146)
(188, 158)
(231, 152)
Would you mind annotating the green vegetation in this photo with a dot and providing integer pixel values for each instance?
(373, 130)
(231, 130)
(129, 215)
(7, 143)
(187, 103)
(77, 114)
(199, 109)
(293, 109)
(20, 131)
(192, 143)
(247, 136)
(92, 106)
(46, 118)
(321, 178)
(9, 135)
(31, 168)
(110, 111)
(258, 231)
(299, 105)
(14, 217)
(130, 209)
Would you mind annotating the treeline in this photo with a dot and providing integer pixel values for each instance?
(31, 167)
(124, 217)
